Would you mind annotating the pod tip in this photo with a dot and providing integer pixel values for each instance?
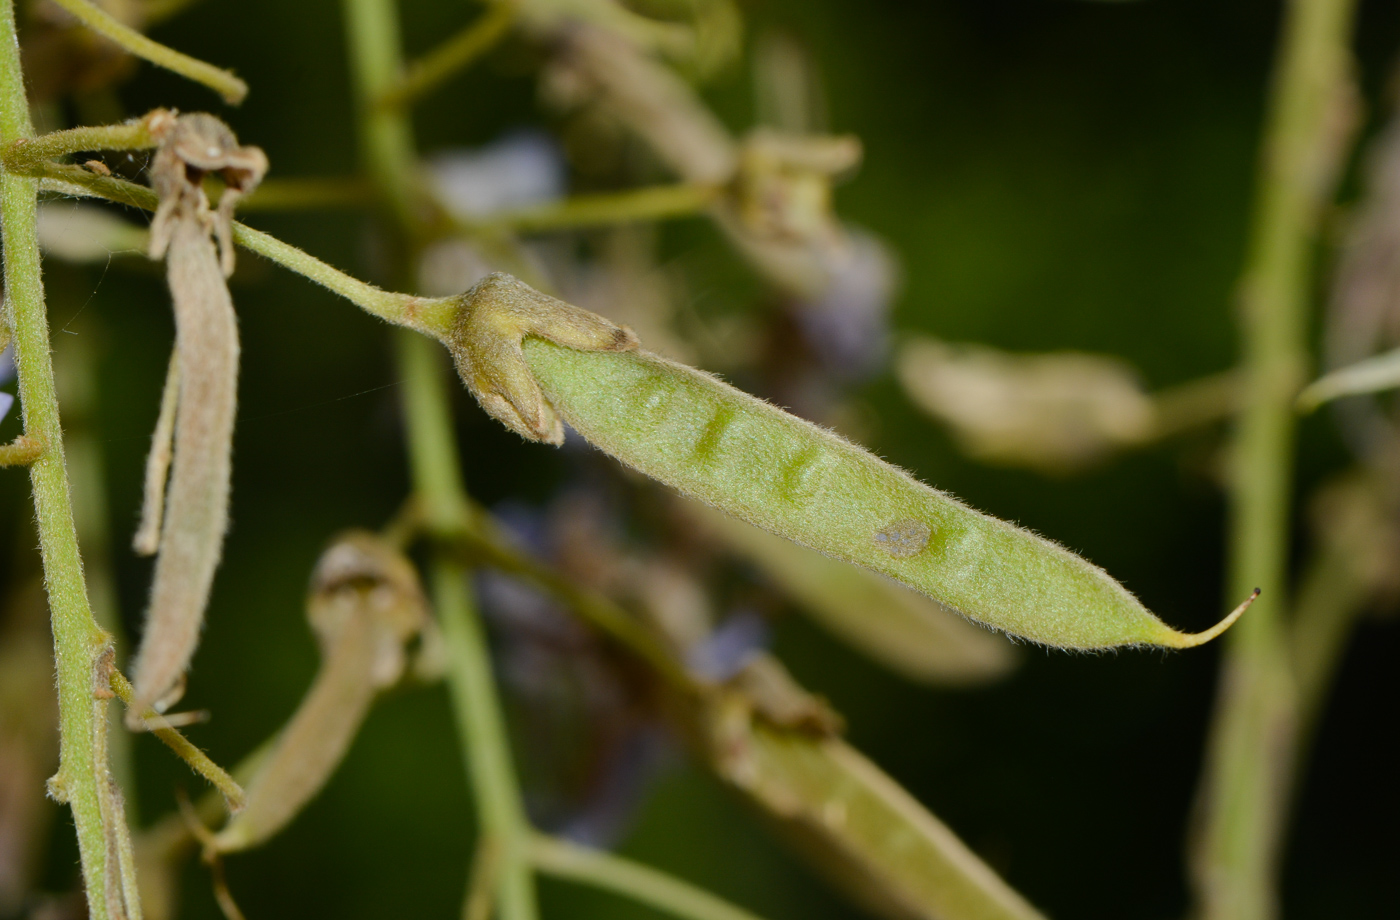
(1191, 640)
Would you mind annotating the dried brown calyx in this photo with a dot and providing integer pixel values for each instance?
(195, 437)
(191, 147)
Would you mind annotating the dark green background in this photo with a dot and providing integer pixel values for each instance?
(1054, 175)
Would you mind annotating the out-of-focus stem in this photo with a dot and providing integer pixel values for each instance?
(309, 193)
(78, 640)
(387, 144)
(433, 458)
(1330, 597)
(458, 52)
(1243, 794)
(642, 884)
(658, 202)
(220, 81)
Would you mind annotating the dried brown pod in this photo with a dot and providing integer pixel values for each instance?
(366, 606)
(195, 517)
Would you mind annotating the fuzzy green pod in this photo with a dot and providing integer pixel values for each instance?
(902, 630)
(728, 449)
(865, 833)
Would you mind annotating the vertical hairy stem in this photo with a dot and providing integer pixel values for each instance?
(1244, 791)
(388, 148)
(78, 640)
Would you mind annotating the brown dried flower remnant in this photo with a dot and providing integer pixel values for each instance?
(495, 318)
(195, 515)
(366, 605)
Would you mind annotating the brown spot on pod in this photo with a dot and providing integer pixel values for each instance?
(903, 539)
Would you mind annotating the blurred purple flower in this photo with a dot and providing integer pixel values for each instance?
(726, 650)
(7, 373)
(848, 325)
(521, 169)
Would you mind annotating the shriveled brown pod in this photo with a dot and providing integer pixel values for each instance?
(366, 605)
(195, 517)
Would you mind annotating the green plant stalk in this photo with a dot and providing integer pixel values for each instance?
(1244, 791)
(78, 640)
(309, 193)
(77, 371)
(434, 316)
(26, 153)
(640, 883)
(434, 68)
(387, 143)
(481, 728)
(659, 202)
(386, 137)
(220, 81)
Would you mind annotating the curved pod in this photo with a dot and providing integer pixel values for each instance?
(730, 450)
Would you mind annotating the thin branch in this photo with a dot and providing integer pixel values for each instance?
(659, 202)
(22, 451)
(220, 81)
(642, 884)
(306, 194)
(484, 543)
(1195, 403)
(458, 52)
(23, 154)
(434, 316)
(186, 751)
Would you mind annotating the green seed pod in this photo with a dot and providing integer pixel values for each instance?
(777, 745)
(866, 833)
(904, 631)
(790, 477)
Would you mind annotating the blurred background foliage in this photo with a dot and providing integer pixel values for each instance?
(1053, 175)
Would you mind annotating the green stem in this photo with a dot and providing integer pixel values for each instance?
(631, 206)
(25, 154)
(434, 462)
(430, 71)
(220, 81)
(434, 316)
(1190, 405)
(78, 640)
(386, 137)
(197, 760)
(1331, 597)
(642, 884)
(308, 193)
(1244, 791)
(76, 369)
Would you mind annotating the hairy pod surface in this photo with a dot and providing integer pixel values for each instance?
(204, 392)
(901, 629)
(728, 449)
(196, 506)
